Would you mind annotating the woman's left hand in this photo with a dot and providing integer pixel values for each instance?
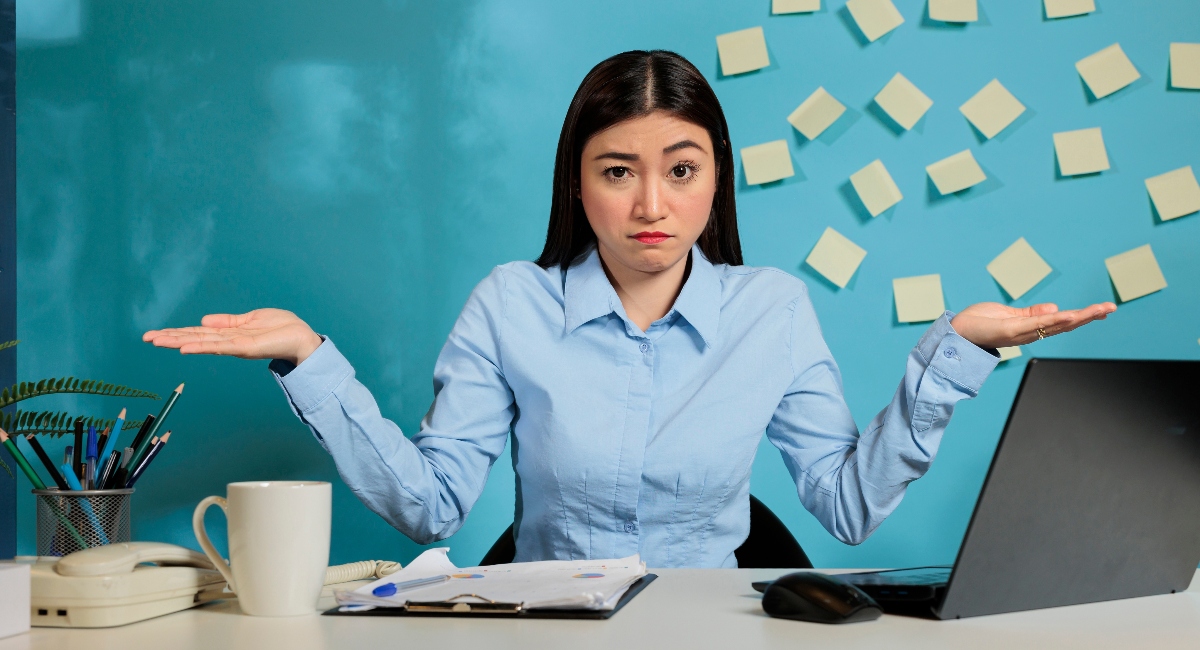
(992, 325)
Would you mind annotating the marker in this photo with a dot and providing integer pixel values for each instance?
(154, 451)
(393, 588)
(41, 454)
(110, 444)
(89, 470)
(86, 505)
(11, 446)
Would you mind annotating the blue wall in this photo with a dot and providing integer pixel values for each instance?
(366, 164)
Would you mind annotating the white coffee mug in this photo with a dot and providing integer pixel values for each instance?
(278, 544)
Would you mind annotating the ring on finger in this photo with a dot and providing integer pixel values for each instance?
(1041, 332)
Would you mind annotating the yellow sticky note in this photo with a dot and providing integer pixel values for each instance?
(875, 17)
(794, 6)
(1107, 71)
(992, 109)
(1009, 353)
(903, 101)
(1135, 273)
(954, 11)
(1174, 193)
(1080, 152)
(742, 51)
(1019, 268)
(835, 257)
(918, 298)
(770, 161)
(956, 173)
(1185, 65)
(816, 114)
(1064, 8)
(876, 188)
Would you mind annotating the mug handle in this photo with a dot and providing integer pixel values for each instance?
(202, 536)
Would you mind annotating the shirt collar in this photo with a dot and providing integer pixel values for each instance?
(589, 295)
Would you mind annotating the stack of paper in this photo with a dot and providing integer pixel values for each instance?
(562, 584)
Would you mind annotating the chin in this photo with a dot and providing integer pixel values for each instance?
(654, 260)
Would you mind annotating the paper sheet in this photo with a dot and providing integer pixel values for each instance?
(1174, 193)
(742, 51)
(1019, 268)
(954, 11)
(876, 188)
(875, 17)
(1107, 71)
(1135, 273)
(794, 6)
(918, 298)
(770, 161)
(1080, 152)
(1009, 353)
(1064, 8)
(903, 101)
(992, 109)
(1185, 65)
(816, 114)
(956, 173)
(835, 257)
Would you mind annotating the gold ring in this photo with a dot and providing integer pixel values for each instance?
(1041, 333)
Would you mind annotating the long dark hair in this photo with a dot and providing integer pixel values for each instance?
(629, 85)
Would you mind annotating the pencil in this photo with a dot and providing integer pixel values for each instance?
(77, 464)
(87, 509)
(41, 454)
(154, 451)
(11, 446)
(110, 443)
(140, 450)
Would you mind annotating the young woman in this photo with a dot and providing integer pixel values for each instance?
(637, 363)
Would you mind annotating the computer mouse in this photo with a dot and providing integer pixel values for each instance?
(818, 598)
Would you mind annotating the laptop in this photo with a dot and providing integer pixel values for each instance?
(1093, 494)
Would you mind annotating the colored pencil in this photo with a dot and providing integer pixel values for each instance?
(147, 424)
(139, 451)
(154, 451)
(110, 443)
(49, 464)
(11, 446)
(87, 507)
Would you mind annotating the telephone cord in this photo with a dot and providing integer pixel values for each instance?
(365, 570)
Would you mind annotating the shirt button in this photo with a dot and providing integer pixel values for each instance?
(645, 347)
(949, 352)
(629, 527)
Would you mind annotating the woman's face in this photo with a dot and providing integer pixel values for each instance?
(647, 187)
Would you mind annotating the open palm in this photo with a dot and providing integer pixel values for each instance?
(260, 334)
(993, 325)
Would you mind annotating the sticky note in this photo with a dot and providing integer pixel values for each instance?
(1064, 8)
(1135, 273)
(794, 6)
(1107, 71)
(1174, 193)
(816, 113)
(1009, 353)
(835, 257)
(903, 101)
(1185, 65)
(876, 188)
(1080, 152)
(956, 173)
(992, 109)
(770, 161)
(742, 51)
(954, 11)
(918, 298)
(875, 17)
(1019, 268)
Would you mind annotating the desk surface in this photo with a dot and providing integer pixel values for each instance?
(692, 608)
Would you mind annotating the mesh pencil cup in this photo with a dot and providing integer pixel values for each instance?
(72, 520)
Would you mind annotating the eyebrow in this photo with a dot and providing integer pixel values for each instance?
(683, 144)
(632, 157)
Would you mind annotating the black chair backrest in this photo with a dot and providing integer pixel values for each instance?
(770, 545)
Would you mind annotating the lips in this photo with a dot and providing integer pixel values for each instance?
(652, 237)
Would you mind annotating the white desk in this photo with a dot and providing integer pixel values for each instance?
(684, 608)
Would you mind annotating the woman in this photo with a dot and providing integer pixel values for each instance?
(636, 363)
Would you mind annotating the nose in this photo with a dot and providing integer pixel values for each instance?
(651, 207)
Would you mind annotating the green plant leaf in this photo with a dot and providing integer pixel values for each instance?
(25, 390)
(8, 344)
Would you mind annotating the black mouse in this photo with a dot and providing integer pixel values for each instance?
(818, 598)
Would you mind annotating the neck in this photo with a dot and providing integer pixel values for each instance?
(646, 296)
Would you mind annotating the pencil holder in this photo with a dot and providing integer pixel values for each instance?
(72, 520)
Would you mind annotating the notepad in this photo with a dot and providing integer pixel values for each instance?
(918, 298)
(794, 6)
(767, 162)
(1009, 353)
(992, 109)
(816, 114)
(954, 11)
(1174, 193)
(742, 51)
(876, 188)
(1064, 8)
(903, 101)
(1080, 152)
(1107, 71)
(875, 17)
(1019, 268)
(835, 257)
(1135, 273)
(956, 173)
(1185, 65)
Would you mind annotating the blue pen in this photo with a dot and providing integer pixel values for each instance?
(111, 443)
(73, 481)
(89, 472)
(393, 588)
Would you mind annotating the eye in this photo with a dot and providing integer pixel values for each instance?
(618, 173)
(684, 171)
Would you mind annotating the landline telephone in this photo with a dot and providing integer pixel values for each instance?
(125, 583)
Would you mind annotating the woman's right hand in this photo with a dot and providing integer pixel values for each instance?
(260, 334)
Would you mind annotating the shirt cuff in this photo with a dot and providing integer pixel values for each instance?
(954, 357)
(309, 383)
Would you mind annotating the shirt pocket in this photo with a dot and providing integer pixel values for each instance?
(928, 414)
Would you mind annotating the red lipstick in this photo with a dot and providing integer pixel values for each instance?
(652, 237)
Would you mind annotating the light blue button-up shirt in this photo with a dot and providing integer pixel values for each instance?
(626, 441)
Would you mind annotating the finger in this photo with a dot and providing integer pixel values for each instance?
(176, 331)
(1042, 309)
(226, 320)
(184, 338)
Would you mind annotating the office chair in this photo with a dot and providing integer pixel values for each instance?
(770, 545)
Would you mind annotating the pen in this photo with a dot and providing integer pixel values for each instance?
(89, 469)
(41, 454)
(122, 473)
(110, 444)
(139, 450)
(154, 451)
(77, 465)
(11, 446)
(68, 455)
(393, 588)
(107, 469)
(86, 505)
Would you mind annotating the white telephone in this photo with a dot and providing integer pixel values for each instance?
(125, 583)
